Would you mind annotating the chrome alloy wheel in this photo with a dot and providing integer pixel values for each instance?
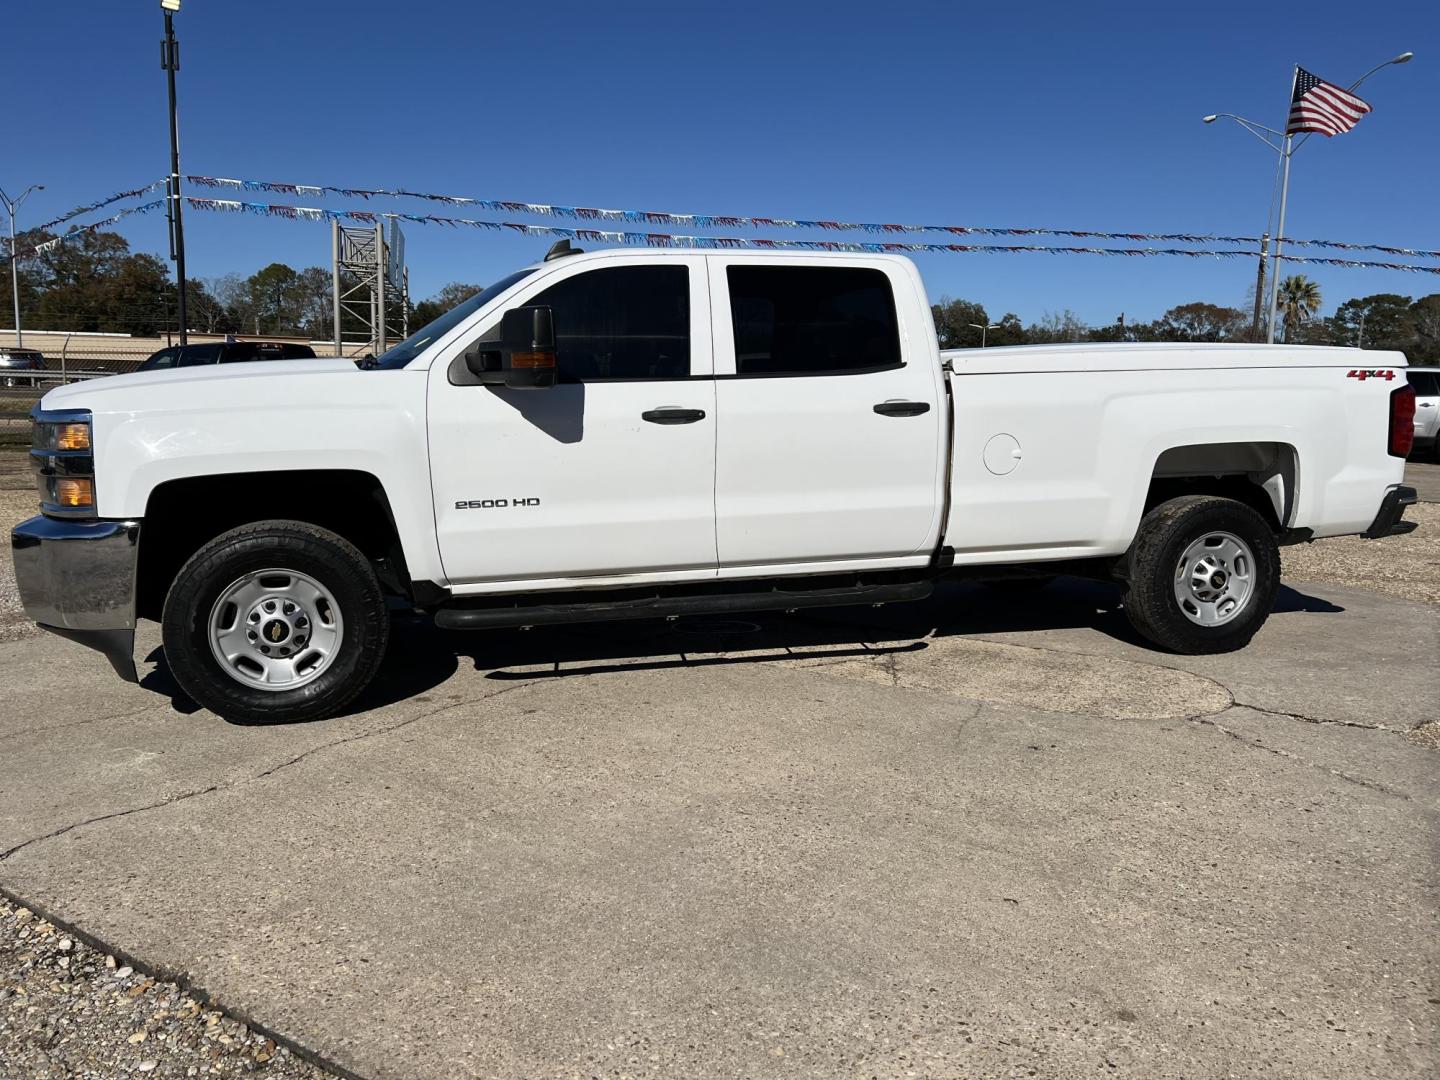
(1214, 578)
(275, 629)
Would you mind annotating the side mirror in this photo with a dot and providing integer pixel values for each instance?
(527, 348)
(521, 356)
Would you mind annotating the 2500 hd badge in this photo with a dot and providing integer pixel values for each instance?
(493, 504)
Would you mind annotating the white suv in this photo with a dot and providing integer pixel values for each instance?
(1426, 381)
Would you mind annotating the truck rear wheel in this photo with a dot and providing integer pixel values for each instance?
(1203, 575)
(275, 621)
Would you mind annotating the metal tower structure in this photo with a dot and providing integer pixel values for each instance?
(370, 287)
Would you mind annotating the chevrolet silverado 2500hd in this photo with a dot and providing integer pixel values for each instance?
(630, 434)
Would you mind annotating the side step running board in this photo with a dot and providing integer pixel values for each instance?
(659, 607)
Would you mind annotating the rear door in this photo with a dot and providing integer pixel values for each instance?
(1427, 402)
(610, 473)
(829, 448)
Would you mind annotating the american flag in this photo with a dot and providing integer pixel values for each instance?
(1320, 106)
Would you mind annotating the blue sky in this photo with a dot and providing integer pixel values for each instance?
(1052, 114)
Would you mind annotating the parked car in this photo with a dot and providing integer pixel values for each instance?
(1426, 381)
(644, 434)
(15, 360)
(225, 352)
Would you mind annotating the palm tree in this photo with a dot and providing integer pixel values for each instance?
(1299, 299)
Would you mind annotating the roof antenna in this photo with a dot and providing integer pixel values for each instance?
(560, 249)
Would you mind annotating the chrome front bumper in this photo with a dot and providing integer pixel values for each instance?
(77, 579)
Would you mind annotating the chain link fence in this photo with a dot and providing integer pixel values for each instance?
(20, 389)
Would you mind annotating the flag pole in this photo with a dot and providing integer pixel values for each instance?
(1280, 225)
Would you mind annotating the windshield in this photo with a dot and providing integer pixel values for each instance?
(413, 345)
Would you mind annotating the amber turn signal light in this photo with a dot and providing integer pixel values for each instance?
(532, 360)
(73, 437)
(75, 492)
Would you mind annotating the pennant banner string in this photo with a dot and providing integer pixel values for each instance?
(119, 196)
(50, 245)
(671, 240)
(711, 221)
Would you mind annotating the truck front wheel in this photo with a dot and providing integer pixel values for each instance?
(275, 621)
(1203, 574)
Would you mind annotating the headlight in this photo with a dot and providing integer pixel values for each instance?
(64, 463)
(72, 436)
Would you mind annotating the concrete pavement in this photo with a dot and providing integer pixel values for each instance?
(979, 837)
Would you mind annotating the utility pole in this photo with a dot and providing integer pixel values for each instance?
(11, 205)
(1260, 285)
(1360, 337)
(170, 61)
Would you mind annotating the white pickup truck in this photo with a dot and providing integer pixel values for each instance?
(637, 434)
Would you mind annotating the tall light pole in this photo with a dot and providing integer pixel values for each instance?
(11, 205)
(1283, 149)
(983, 330)
(1286, 149)
(170, 61)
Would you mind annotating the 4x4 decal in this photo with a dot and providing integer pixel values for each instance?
(1362, 374)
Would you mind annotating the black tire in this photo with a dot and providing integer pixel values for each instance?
(1154, 562)
(292, 545)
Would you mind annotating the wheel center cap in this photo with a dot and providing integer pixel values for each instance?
(275, 631)
(1217, 579)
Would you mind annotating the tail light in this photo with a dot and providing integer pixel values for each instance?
(1402, 421)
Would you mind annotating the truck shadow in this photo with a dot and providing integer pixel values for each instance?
(422, 657)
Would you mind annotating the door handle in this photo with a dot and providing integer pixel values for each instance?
(671, 415)
(902, 408)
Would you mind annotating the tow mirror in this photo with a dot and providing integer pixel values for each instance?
(527, 348)
(521, 356)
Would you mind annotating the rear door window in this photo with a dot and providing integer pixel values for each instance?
(196, 355)
(812, 320)
(1426, 383)
(165, 358)
(240, 352)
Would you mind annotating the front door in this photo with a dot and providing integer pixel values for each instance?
(610, 473)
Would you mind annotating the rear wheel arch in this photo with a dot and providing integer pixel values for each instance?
(1264, 475)
(183, 515)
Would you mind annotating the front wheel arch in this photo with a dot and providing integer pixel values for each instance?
(181, 516)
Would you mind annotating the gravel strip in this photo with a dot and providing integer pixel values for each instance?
(1404, 566)
(68, 1011)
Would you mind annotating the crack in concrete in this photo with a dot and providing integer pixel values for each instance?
(1321, 721)
(1256, 744)
(243, 781)
(116, 717)
(108, 817)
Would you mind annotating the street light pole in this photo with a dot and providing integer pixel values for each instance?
(11, 205)
(1285, 154)
(170, 61)
(1286, 149)
(983, 330)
